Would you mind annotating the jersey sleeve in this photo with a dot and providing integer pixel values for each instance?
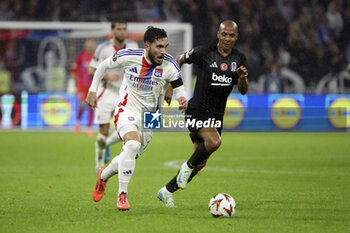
(96, 60)
(110, 63)
(176, 80)
(175, 73)
(193, 55)
(115, 61)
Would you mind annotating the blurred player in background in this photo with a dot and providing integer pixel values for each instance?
(220, 67)
(147, 73)
(80, 81)
(108, 90)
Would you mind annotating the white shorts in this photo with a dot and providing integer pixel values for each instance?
(127, 121)
(107, 101)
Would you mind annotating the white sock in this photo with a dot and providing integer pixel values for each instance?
(100, 149)
(113, 138)
(127, 164)
(111, 169)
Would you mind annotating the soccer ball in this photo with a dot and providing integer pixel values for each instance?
(222, 205)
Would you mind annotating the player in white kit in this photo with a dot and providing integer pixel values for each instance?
(147, 73)
(108, 90)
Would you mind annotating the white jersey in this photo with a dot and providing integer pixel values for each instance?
(143, 83)
(105, 50)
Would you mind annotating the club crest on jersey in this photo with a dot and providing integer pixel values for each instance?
(158, 73)
(114, 58)
(223, 66)
(233, 66)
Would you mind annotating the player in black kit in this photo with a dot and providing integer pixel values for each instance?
(220, 67)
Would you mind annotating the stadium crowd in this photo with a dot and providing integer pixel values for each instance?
(310, 38)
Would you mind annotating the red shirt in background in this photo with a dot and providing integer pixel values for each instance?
(80, 70)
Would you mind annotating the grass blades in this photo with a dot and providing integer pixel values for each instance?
(282, 182)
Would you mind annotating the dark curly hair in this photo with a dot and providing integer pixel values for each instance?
(120, 20)
(152, 34)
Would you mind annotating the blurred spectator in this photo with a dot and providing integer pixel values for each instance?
(283, 56)
(335, 58)
(253, 61)
(147, 11)
(196, 14)
(8, 62)
(316, 8)
(321, 66)
(170, 10)
(6, 13)
(275, 27)
(274, 82)
(286, 8)
(324, 31)
(265, 52)
(303, 61)
(18, 10)
(80, 81)
(335, 20)
(344, 39)
(117, 9)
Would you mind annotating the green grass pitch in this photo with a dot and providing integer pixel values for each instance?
(282, 182)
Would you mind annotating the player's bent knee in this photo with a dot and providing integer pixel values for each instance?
(133, 147)
(213, 144)
(217, 144)
(104, 129)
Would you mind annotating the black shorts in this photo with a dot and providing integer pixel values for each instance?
(204, 116)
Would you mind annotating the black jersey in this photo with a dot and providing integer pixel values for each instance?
(216, 77)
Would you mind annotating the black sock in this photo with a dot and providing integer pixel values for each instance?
(198, 156)
(191, 176)
(172, 185)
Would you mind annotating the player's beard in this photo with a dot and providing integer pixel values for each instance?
(119, 39)
(152, 58)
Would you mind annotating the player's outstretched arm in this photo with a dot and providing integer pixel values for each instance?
(181, 60)
(180, 96)
(242, 80)
(113, 77)
(168, 94)
(91, 71)
(91, 100)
